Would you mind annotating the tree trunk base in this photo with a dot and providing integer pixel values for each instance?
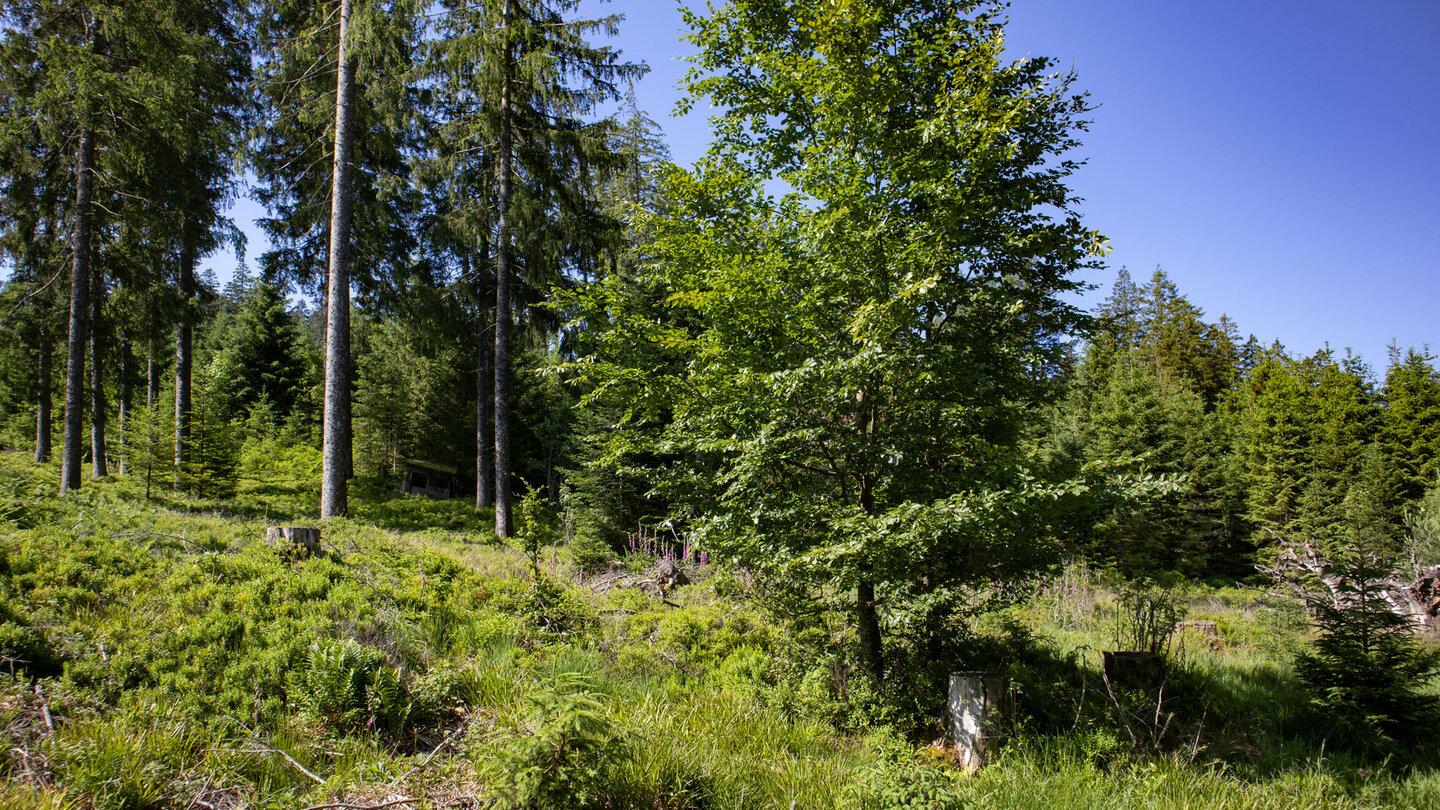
(302, 541)
(978, 708)
(1133, 669)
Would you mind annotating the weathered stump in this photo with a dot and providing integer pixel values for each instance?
(1133, 669)
(304, 539)
(1208, 631)
(1204, 628)
(977, 715)
(670, 575)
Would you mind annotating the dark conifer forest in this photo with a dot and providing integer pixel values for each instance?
(649, 485)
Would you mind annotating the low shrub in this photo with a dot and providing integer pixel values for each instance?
(562, 755)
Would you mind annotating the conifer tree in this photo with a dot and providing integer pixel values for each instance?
(335, 468)
(1367, 668)
(1411, 431)
(531, 77)
(1307, 428)
(116, 85)
(264, 358)
(330, 161)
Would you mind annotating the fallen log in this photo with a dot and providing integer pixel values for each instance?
(1416, 597)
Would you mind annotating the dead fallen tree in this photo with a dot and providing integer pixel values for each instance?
(1312, 577)
(658, 580)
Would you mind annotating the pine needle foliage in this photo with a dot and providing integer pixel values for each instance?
(562, 756)
(1366, 668)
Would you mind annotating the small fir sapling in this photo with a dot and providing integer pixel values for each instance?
(1366, 668)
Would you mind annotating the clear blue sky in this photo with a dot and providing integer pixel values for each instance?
(1279, 159)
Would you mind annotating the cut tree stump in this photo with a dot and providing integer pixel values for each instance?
(303, 538)
(977, 715)
(1204, 628)
(1126, 669)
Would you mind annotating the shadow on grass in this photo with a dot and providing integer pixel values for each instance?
(373, 500)
(378, 501)
(1247, 713)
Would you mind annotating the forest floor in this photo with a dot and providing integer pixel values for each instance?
(160, 653)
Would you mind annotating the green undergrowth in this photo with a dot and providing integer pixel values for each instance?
(160, 653)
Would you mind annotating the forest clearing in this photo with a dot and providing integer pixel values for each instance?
(173, 657)
(530, 468)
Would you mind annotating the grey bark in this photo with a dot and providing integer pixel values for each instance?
(305, 538)
(99, 467)
(484, 443)
(43, 415)
(336, 450)
(872, 648)
(502, 291)
(123, 372)
(79, 315)
(184, 338)
(977, 715)
(152, 376)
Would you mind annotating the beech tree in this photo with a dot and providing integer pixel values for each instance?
(841, 375)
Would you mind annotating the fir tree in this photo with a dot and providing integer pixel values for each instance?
(519, 77)
(1366, 668)
(265, 357)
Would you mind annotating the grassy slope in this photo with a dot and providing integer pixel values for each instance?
(176, 657)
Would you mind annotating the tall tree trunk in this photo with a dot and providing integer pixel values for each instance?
(79, 315)
(336, 455)
(867, 619)
(43, 416)
(502, 291)
(484, 391)
(184, 337)
(152, 377)
(99, 467)
(484, 444)
(123, 371)
(868, 622)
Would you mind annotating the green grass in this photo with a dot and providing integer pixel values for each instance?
(180, 658)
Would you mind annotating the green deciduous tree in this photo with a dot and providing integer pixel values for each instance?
(842, 376)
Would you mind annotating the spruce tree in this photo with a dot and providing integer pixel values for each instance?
(330, 159)
(1366, 668)
(533, 78)
(1411, 430)
(264, 357)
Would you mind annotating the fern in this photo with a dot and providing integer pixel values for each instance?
(345, 685)
(387, 703)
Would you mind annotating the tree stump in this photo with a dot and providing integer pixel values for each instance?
(670, 575)
(1204, 628)
(1133, 669)
(304, 539)
(977, 715)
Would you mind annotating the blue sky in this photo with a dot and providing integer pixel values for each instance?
(1279, 159)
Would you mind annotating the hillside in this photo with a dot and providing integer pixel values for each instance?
(161, 654)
